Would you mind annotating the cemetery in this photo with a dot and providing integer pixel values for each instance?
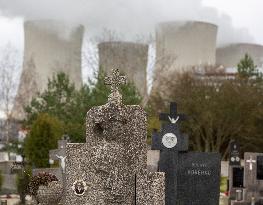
(131, 102)
(115, 166)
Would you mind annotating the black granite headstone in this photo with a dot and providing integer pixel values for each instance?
(260, 167)
(198, 178)
(234, 156)
(190, 178)
(238, 177)
(170, 142)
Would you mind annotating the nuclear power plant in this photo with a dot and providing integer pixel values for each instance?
(129, 58)
(180, 46)
(52, 47)
(186, 43)
(49, 47)
(230, 55)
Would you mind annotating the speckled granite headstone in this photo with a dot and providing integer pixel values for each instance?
(253, 177)
(103, 170)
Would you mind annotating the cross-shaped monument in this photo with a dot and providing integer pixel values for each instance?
(172, 117)
(170, 141)
(251, 161)
(110, 168)
(116, 80)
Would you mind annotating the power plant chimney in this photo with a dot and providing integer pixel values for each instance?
(129, 58)
(180, 46)
(230, 55)
(50, 47)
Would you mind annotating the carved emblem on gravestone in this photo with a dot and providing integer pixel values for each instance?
(172, 120)
(79, 187)
(169, 140)
(251, 161)
(233, 159)
(173, 117)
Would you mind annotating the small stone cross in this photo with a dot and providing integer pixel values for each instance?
(251, 161)
(115, 81)
(173, 117)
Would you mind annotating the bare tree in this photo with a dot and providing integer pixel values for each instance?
(9, 75)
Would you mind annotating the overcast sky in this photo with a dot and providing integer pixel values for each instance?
(243, 15)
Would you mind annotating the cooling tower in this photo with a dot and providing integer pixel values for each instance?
(49, 47)
(129, 58)
(180, 46)
(229, 56)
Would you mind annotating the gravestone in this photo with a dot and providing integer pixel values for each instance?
(238, 177)
(259, 167)
(110, 168)
(252, 181)
(236, 171)
(56, 155)
(198, 178)
(234, 154)
(191, 177)
(170, 141)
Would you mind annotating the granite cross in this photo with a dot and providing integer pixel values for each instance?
(170, 141)
(172, 117)
(170, 137)
(115, 81)
(251, 161)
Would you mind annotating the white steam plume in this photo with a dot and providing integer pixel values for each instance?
(128, 17)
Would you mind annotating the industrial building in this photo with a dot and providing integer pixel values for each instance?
(129, 58)
(180, 46)
(230, 55)
(49, 47)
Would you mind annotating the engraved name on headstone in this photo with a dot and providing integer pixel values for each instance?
(198, 178)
